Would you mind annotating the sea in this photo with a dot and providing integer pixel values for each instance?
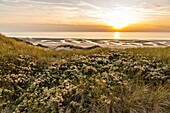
(93, 35)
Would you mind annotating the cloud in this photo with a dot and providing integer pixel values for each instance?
(54, 1)
(80, 11)
(27, 11)
(52, 27)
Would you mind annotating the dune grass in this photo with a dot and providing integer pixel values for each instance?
(162, 54)
(12, 48)
(100, 80)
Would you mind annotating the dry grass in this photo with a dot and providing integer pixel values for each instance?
(12, 48)
(162, 54)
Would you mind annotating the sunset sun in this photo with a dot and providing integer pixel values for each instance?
(121, 19)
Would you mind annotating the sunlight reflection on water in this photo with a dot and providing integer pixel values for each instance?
(116, 35)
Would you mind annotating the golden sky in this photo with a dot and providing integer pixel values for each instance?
(84, 15)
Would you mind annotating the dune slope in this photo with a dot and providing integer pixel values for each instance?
(33, 79)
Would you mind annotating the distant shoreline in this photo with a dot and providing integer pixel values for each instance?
(93, 35)
(110, 43)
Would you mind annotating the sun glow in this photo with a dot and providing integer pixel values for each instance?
(120, 19)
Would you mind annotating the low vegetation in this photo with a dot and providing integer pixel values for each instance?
(81, 81)
(162, 54)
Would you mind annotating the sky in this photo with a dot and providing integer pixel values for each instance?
(84, 15)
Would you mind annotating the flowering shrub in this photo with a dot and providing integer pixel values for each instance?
(111, 81)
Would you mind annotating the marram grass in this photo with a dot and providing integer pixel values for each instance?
(80, 81)
(12, 48)
(160, 53)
